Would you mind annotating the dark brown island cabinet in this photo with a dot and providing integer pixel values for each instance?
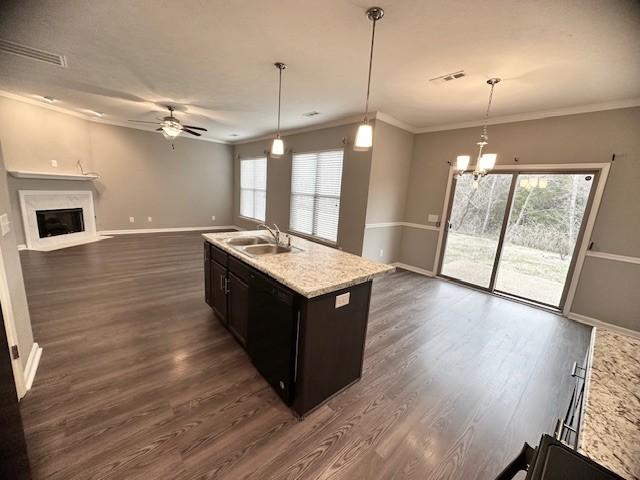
(308, 349)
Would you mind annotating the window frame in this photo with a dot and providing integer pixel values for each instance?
(254, 190)
(311, 236)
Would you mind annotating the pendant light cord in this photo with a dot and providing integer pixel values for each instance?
(279, 97)
(366, 105)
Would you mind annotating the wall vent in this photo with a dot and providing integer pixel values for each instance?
(33, 53)
(448, 77)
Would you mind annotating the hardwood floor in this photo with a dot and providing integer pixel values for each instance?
(139, 381)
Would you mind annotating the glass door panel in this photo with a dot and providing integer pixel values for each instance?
(475, 223)
(543, 228)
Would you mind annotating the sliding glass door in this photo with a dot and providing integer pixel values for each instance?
(475, 223)
(541, 236)
(516, 233)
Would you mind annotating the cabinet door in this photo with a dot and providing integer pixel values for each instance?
(238, 307)
(219, 290)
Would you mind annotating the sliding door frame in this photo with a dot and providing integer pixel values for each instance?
(601, 173)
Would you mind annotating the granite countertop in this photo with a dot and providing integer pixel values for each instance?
(610, 432)
(311, 271)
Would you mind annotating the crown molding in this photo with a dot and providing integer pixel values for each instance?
(386, 118)
(523, 117)
(89, 117)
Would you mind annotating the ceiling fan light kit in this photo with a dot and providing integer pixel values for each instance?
(364, 135)
(171, 127)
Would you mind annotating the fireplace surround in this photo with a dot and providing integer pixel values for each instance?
(55, 219)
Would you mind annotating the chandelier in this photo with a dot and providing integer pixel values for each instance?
(484, 161)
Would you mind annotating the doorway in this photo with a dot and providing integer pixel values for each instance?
(515, 233)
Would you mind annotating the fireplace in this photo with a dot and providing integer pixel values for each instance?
(60, 221)
(55, 219)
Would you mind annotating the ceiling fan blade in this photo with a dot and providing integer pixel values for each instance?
(195, 128)
(190, 131)
(143, 121)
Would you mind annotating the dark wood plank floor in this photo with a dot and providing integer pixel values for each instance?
(139, 381)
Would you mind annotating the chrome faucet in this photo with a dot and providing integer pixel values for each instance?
(275, 232)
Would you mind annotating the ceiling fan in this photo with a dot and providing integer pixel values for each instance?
(171, 127)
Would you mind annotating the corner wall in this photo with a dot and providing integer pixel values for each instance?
(355, 181)
(607, 289)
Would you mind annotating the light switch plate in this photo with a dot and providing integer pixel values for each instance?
(342, 300)
(132, 219)
(433, 218)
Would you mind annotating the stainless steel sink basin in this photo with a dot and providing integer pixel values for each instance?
(242, 241)
(269, 249)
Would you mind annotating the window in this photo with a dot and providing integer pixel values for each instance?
(315, 193)
(253, 188)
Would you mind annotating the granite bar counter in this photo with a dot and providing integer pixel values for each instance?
(311, 269)
(610, 430)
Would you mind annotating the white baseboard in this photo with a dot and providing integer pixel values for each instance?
(594, 322)
(411, 268)
(32, 365)
(22, 246)
(162, 230)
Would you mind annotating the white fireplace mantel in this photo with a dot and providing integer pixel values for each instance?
(33, 200)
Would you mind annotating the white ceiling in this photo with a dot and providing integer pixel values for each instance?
(214, 58)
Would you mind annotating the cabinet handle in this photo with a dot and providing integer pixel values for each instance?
(227, 289)
(222, 282)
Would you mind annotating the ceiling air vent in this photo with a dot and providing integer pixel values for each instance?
(448, 77)
(311, 114)
(33, 53)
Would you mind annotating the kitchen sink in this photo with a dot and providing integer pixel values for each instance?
(269, 249)
(243, 241)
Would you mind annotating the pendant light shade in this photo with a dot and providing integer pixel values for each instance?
(277, 146)
(488, 161)
(364, 136)
(462, 162)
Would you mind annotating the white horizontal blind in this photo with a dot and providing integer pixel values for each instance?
(253, 188)
(316, 180)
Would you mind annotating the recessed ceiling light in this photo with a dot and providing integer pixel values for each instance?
(49, 99)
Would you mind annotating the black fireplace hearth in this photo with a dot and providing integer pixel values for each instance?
(59, 222)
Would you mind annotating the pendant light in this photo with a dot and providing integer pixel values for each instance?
(484, 161)
(277, 147)
(364, 136)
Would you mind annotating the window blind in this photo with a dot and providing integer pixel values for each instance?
(253, 188)
(316, 180)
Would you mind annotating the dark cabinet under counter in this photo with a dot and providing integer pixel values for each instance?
(307, 349)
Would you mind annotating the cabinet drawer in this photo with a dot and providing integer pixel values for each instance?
(239, 269)
(218, 255)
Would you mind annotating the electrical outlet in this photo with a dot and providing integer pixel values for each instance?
(132, 219)
(149, 219)
(213, 218)
(433, 218)
(342, 300)
(381, 253)
(54, 163)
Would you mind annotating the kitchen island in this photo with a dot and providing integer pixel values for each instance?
(300, 311)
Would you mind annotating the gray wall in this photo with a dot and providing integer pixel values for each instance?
(606, 287)
(390, 168)
(141, 176)
(355, 181)
(13, 269)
